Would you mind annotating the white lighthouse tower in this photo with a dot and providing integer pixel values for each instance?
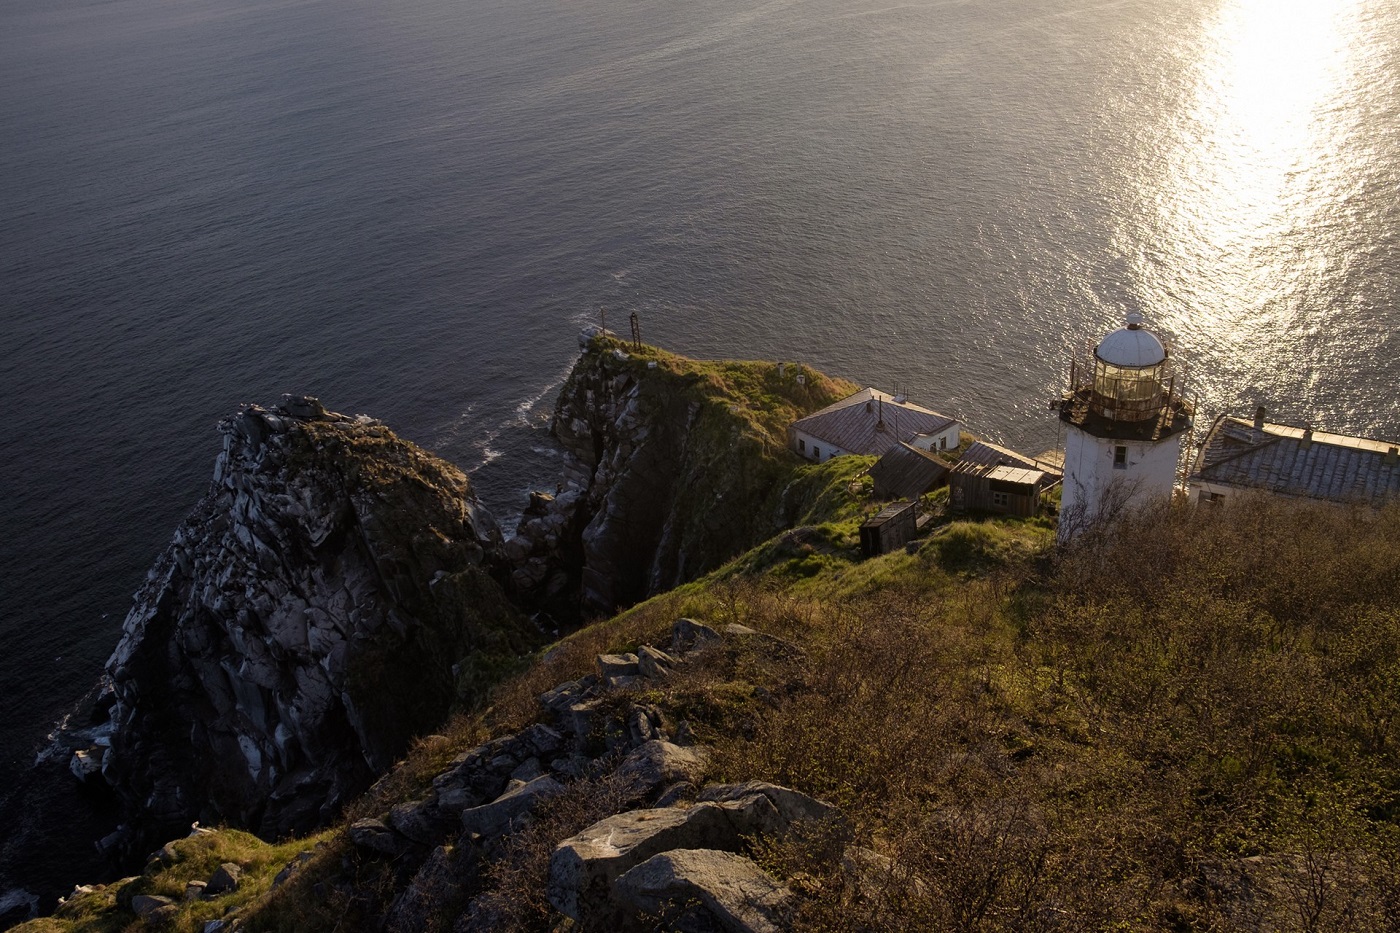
(1124, 417)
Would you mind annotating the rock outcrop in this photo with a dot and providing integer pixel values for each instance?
(671, 468)
(330, 597)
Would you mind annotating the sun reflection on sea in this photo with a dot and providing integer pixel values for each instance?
(1256, 172)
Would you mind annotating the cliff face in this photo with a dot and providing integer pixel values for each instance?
(307, 619)
(673, 466)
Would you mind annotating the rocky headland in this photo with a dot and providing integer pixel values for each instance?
(334, 594)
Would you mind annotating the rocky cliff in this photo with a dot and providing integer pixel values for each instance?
(673, 466)
(330, 597)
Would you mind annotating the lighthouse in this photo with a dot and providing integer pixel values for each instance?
(1124, 417)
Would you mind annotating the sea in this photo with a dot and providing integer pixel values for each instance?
(409, 208)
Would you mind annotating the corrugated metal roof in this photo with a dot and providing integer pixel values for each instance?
(906, 472)
(871, 422)
(1279, 458)
(982, 459)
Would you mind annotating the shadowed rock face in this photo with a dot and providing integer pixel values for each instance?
(303, 624)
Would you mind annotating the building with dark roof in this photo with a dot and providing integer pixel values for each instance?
(906, 472)
(870, 422)
(1240, 456)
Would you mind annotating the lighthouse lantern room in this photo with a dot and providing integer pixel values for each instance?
(1124, 415)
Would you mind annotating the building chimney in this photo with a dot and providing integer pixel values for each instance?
(1259, 418)
(1307, 437)
(1392, 457)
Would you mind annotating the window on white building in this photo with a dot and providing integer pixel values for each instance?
(816, 452)
(1120, 457)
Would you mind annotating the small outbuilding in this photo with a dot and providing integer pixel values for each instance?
(891, 529)
(906, 472)
(988, 478)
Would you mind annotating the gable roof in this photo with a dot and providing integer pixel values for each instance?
(871, 422)
(906, 472)
(984, 459)
(1289, 461)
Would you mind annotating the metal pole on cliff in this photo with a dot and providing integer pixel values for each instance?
(603, 317)
(636, 332)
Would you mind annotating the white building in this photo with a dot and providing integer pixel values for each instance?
(1124, 416)
(870, 422)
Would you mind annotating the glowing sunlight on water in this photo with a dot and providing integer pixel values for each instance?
(1263, 159)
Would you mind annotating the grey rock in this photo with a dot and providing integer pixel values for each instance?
(693, 890)
(584, 718)
(655, 764)
(162, 916)
(789, 805)
(563, 696)
(143, 905)
(417, 820)
(618, 665)
(504, 814)
(86, 763)
(736, 630)
(644, 724)
(195, 889)
(583, 868)
(377, 837)
(223, 880)
(527, 770)
(653, 663)
(687, 635)
(435, 883)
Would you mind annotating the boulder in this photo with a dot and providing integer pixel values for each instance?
(687, 635)
(505, 812)
(643, 724)
(377, 837)
(582, 868)
(653, 663)
(223, 880)
(699, 890)
(789, 806)
(656, 764)
(618, 665)
(143, 905)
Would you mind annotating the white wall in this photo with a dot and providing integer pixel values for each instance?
(803, 444)
(1093, 486)
(949, 437)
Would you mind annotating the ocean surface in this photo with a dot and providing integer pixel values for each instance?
(409, 207)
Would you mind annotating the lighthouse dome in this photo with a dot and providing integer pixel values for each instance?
(1132, 347)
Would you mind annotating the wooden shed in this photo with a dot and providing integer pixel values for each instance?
(894, 526)
(993, 479)
(906, 472)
